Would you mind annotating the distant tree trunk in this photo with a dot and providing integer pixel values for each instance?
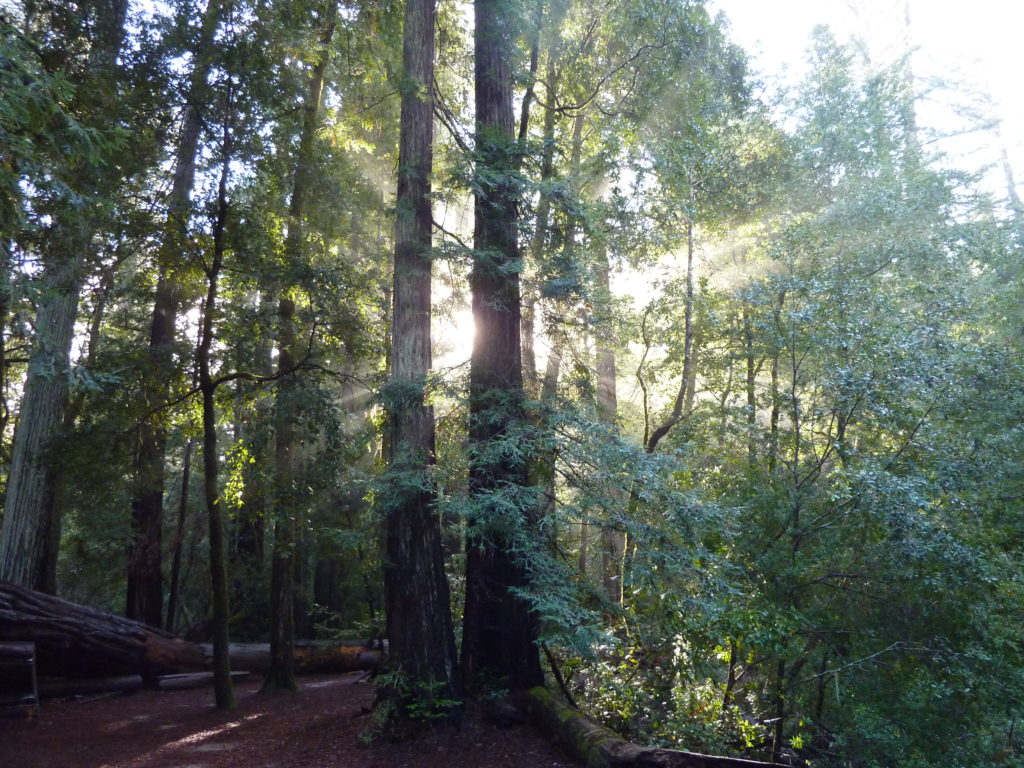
(179, 538)
(419, 623)
(281, 675)
(145, 582)
(681, 398)
(499, 628)
(613, 540)
(750, 388)
(542, 225)
(256, 503)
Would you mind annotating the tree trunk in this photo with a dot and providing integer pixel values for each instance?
(29, 533)
(76, 641)
(499, 628)
(145, 582)
(307, 658)
(223, 691)
(598, 747)
(179, 538)
(281, 675)
(681, 399)
(613, 540)
(419, 623)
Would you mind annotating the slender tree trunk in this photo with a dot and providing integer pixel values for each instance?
(778, 727)
(751, 392)
(223, 689)
(542, 225)
(179, 538)
(499, 628)
(419, 622)
(677, 412)
(145, 581)
(613, 541)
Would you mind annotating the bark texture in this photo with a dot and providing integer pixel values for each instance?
(419, 622)
(499, 628)
(75, 641)
(30, 531)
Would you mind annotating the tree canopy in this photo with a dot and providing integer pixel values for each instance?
(734, 446)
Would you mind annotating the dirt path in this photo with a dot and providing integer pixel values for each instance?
(318, 727)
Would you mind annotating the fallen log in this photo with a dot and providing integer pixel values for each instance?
(76, 641)
(68, 687)
(310, 658)
(600, 747)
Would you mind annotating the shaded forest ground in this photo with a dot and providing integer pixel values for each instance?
(320, 726)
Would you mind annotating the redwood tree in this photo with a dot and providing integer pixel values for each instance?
(499, 628)
(419, 623)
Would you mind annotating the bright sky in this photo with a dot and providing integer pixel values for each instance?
(977, 43)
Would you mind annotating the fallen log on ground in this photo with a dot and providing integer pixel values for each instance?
(310, 658)
(67, 687)
(75, 641)
(600, 747)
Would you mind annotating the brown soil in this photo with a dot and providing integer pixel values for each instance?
(319, 726)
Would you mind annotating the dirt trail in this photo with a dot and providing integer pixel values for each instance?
(320, 726)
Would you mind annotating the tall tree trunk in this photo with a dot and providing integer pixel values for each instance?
(750, 387)
(145, 581)
(281, 675)
(613, 540)
(419, 622)
(540, 238)
(223, 689)
(28, 534)
(499, 627)
(30, 530)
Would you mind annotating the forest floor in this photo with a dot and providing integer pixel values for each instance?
(319, 726)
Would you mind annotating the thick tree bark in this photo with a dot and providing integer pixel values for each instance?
(30, 531)
(419, 622)
(145, 582)
(73, 640)
(499, 627)
(77, 641)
